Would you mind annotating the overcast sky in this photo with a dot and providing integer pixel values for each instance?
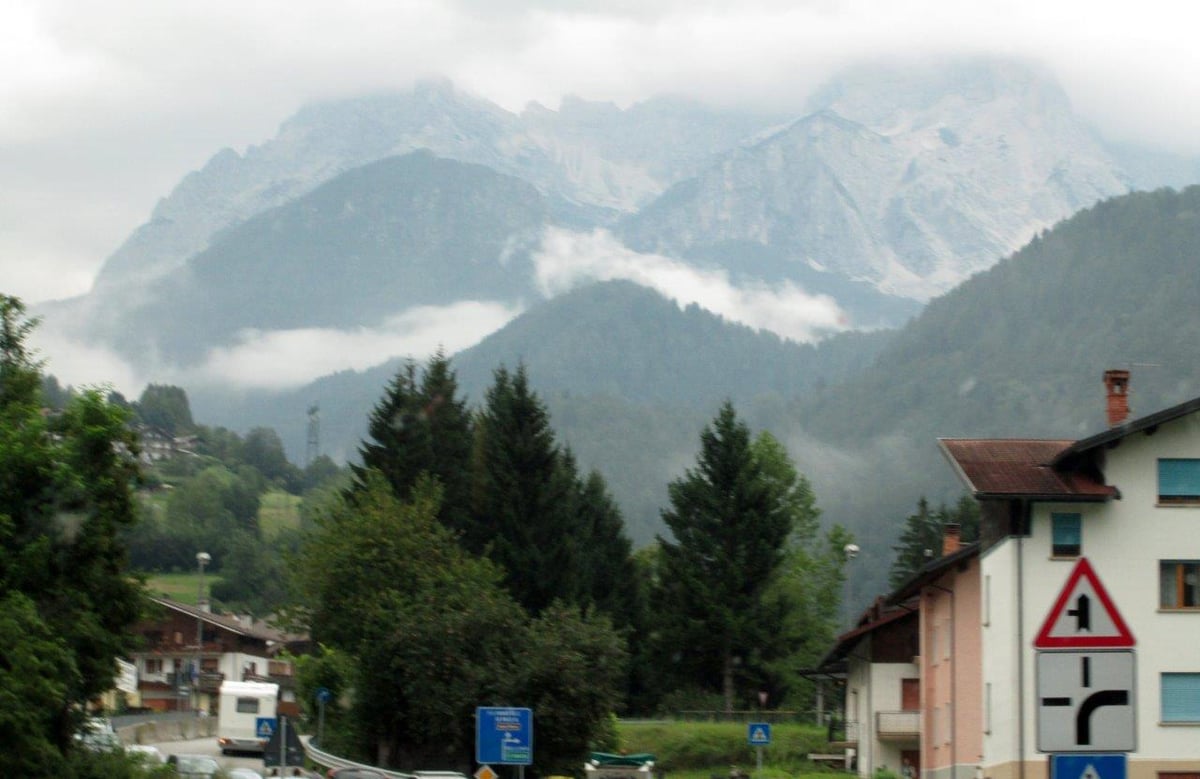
(104, 106)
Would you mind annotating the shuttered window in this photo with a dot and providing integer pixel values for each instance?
(1067, 530)
(1181, 697)
(1179, 481)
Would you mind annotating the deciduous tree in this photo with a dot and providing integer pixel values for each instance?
(66, 493)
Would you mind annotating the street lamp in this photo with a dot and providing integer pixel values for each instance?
(202, 559)
(851, 551)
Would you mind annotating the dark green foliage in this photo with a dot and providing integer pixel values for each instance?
(219, 443)
(216, 511)
(730, 525)
(924, 532)
(422, 428)
(56, 397)
(572, 668)
(608, 577)
(165, 408)
(421, 633)
(262, 450)
(620, 340)
(523, 513)
(36, 671)
(807, 588)
(321, 471)
(253, 574)
(69, 602)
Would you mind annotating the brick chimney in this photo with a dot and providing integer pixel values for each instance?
(951, 538)
(1117, 385)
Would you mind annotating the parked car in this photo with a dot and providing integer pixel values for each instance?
(195, 766)
(353, 773)
(148, 754)
(97, 734)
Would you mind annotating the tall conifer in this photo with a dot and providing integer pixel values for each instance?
(730, 526)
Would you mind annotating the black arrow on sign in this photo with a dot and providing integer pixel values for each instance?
(1082, 613)
(1083, 718)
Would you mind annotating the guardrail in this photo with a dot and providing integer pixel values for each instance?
(327, 760)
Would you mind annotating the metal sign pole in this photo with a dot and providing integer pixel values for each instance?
(283, 741)
(759, 750)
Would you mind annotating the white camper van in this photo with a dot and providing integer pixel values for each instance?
(246, 716)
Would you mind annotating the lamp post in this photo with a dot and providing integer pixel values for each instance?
(851, 551)
(202, 559)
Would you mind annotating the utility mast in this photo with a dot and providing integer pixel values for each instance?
(314, 435)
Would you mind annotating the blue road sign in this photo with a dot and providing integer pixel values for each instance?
(1086, 766)
(323, 695)
(759, 734)
(264, 727)
(503, 736)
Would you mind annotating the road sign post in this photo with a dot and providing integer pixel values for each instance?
(759, 736)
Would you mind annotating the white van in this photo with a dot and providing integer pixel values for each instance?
(246, 715)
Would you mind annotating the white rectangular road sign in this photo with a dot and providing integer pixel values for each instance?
(1086, 702)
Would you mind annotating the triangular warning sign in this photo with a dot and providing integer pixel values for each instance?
(1083, 617)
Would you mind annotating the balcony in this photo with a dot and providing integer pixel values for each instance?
(843, 734)
(898, 725)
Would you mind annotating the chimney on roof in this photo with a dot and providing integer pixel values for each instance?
(951, 538)
(1117, 385)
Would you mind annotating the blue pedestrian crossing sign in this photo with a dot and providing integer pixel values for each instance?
(759, 734)
(1085, 766)
(264, 727)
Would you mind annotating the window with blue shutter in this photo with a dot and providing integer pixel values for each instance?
(1178, 480)
(1181, 697)
(1067, 535)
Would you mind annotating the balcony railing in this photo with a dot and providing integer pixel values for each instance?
(842, 733)
(898, 724)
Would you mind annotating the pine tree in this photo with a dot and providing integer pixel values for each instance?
(523, 515)
(921, 540)
(421, 426)
(730, 527)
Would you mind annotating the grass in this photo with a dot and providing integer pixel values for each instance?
(182, 587)
(703, 750)
(277, 511)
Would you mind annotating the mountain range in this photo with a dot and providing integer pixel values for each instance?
(875, 221)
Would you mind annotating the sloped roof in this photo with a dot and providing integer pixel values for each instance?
(1021, 468)
(256, 630)
(932, 571)
(1117, 432)
(875, 617)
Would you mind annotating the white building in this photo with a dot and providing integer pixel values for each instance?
(1117, 515)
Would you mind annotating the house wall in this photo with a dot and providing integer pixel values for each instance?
(951, 676)
(1124, 540)
(886, 683)
(872, 687)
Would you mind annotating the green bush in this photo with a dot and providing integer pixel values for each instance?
(715, 747)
